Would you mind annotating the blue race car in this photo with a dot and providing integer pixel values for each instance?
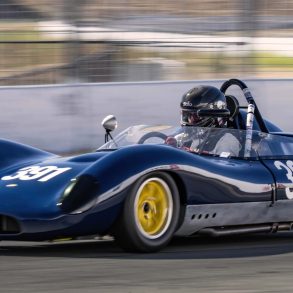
(143, 191)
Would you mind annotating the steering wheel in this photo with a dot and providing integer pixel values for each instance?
(152, 134)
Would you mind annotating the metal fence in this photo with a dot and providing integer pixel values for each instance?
(68, 41)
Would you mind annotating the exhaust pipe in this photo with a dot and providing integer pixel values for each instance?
(282, 227)
(232, 230)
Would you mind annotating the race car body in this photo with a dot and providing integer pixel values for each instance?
(142, 189)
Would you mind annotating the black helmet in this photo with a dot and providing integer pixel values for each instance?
(202, 97)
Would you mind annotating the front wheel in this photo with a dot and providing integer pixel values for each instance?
(150, 215)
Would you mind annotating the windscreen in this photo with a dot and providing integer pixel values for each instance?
(275, 146)
(222, 142)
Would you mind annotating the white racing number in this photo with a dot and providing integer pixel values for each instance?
(38, 173)
(288, 167)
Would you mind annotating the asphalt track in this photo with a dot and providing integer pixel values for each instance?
(259, 263)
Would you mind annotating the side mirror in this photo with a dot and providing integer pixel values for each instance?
(109, 123)
(213, 113)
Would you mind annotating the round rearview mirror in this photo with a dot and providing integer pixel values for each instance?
(109, 123)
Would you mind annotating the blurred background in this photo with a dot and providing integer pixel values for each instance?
(65, 64)
(68, 41)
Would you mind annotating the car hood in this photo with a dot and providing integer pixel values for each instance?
(32, 189)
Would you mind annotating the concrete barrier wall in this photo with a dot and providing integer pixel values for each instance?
(66, 118)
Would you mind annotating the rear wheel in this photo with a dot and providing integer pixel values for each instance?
(150, 214)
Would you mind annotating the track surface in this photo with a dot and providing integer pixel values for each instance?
(262, 263)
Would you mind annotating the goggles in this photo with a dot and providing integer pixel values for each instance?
(190, 117)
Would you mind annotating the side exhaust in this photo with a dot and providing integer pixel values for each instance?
(232, 230)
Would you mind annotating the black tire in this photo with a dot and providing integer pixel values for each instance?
(150, 214)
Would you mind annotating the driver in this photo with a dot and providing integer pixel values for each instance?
(202, 138)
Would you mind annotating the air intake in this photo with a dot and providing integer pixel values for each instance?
(8, 225)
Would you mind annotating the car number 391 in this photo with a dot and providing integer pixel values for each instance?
(288, 167)
(38, 173)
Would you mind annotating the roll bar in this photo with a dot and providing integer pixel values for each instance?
(249, 98)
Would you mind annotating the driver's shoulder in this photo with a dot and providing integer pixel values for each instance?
(228, 136)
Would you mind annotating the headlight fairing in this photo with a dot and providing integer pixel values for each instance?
(79, 195)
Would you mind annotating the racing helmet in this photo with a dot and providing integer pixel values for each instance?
(202, 97)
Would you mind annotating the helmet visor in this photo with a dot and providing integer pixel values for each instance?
(190, 117)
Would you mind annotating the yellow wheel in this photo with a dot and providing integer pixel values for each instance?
(150, 214)
(153, 208)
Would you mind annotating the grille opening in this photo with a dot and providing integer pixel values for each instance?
(8, 225)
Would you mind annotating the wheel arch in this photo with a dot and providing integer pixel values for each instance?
(180, 186)
(182, 191)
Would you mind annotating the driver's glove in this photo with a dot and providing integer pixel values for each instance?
(172, 141)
